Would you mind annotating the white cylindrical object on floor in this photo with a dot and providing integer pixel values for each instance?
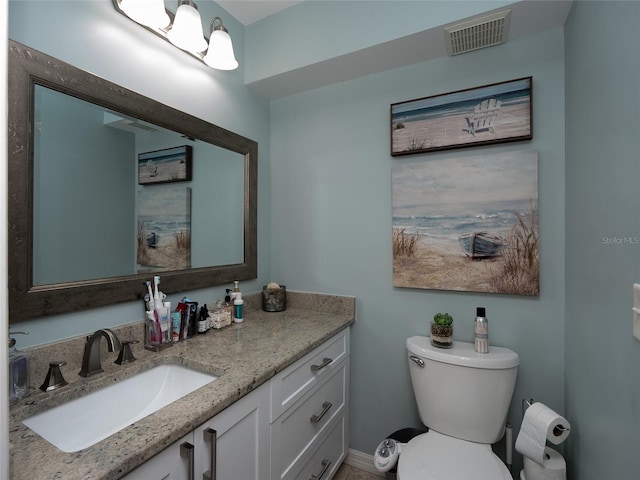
(553, 468)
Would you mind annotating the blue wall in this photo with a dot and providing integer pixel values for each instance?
(331, 219)
(60, 227)
(603, 171)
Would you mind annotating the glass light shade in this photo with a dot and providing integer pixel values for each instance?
(220, 54)
(186, 32)
(150, 13)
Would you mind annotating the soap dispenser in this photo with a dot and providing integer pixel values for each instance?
(18, 371)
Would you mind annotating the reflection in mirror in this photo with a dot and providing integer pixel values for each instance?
(92, 219)
(107, 187)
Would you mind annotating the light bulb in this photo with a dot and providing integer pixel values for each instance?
(186, 32)
(150, 13)
(220, 54)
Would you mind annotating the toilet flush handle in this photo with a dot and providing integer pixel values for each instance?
(417, 360)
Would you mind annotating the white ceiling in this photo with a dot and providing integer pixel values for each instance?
(250, 11)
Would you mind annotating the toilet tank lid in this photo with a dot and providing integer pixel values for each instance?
(463, 353)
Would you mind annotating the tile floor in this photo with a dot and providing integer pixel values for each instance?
(347, 472)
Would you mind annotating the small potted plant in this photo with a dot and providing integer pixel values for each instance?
(442, 330)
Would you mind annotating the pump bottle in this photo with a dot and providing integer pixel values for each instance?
(18, 371)
(237, 308)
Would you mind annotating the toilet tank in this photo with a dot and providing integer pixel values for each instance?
(462, 393)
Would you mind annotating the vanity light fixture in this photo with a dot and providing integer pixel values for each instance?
(220, 53)
(183, 30)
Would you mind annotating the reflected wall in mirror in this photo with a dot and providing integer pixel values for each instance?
(83, 231)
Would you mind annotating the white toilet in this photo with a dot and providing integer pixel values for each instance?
(463, 397)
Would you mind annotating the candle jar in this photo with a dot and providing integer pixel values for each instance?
(274, 299)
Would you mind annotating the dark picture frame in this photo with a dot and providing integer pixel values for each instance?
(494, 113)
(166, 165)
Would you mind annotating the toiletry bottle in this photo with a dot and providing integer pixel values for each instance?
(192, 312)
(165, 322)
(176, 324)
(234, 292)
(228, 305)
(203, 319)
(237, 308)
(481, 331)
(18, 371)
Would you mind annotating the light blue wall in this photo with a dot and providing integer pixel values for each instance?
(63, 175)
(331, 225)
(603, 173)
(314, 31)
(91, 35)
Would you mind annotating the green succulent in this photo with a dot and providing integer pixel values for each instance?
(442, 319)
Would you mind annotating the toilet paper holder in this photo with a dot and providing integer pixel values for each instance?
(558, 430)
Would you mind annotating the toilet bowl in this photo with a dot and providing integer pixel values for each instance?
(433, 456)
(463, 397)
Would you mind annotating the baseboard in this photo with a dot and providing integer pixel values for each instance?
(362, 461)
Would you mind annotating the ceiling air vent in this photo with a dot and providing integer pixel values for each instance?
(477, 33)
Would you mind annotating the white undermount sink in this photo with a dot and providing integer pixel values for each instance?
(85, 421)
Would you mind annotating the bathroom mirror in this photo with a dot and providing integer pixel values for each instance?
(108, 188)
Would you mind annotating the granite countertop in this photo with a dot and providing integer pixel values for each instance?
(243, 356)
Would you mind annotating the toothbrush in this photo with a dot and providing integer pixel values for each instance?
(156, 296)
(151, 299)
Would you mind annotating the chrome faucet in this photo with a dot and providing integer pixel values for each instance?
(91, 359)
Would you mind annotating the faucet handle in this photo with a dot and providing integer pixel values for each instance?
(126, 355)
(54, 377)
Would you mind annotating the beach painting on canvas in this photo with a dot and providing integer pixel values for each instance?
(467, 224)
(495, 113)
(162, 166)
(164, 228)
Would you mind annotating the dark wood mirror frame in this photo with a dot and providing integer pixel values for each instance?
(28, 67)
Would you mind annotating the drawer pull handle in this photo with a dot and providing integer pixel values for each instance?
(325, 467)
(210, 435)
(187, 450)
(325, 408)
(325, 362)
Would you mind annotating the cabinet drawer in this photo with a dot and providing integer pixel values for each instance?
(327, 458)
(299, 429)
(297, 379)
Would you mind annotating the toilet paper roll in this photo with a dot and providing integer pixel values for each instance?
(553, 468)
(540, 424)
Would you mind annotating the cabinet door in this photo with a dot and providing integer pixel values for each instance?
(241, 440)
(169, 464)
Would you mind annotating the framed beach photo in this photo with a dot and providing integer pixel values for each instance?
(164, 228)
(496, 113)
(163, 166)
(467, 224)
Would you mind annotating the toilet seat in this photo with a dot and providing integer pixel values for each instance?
(434, 456)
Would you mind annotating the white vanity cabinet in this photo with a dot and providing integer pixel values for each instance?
(294, 426)
(241, 440)
(309, 413)
(235, 442)
(166, 465)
